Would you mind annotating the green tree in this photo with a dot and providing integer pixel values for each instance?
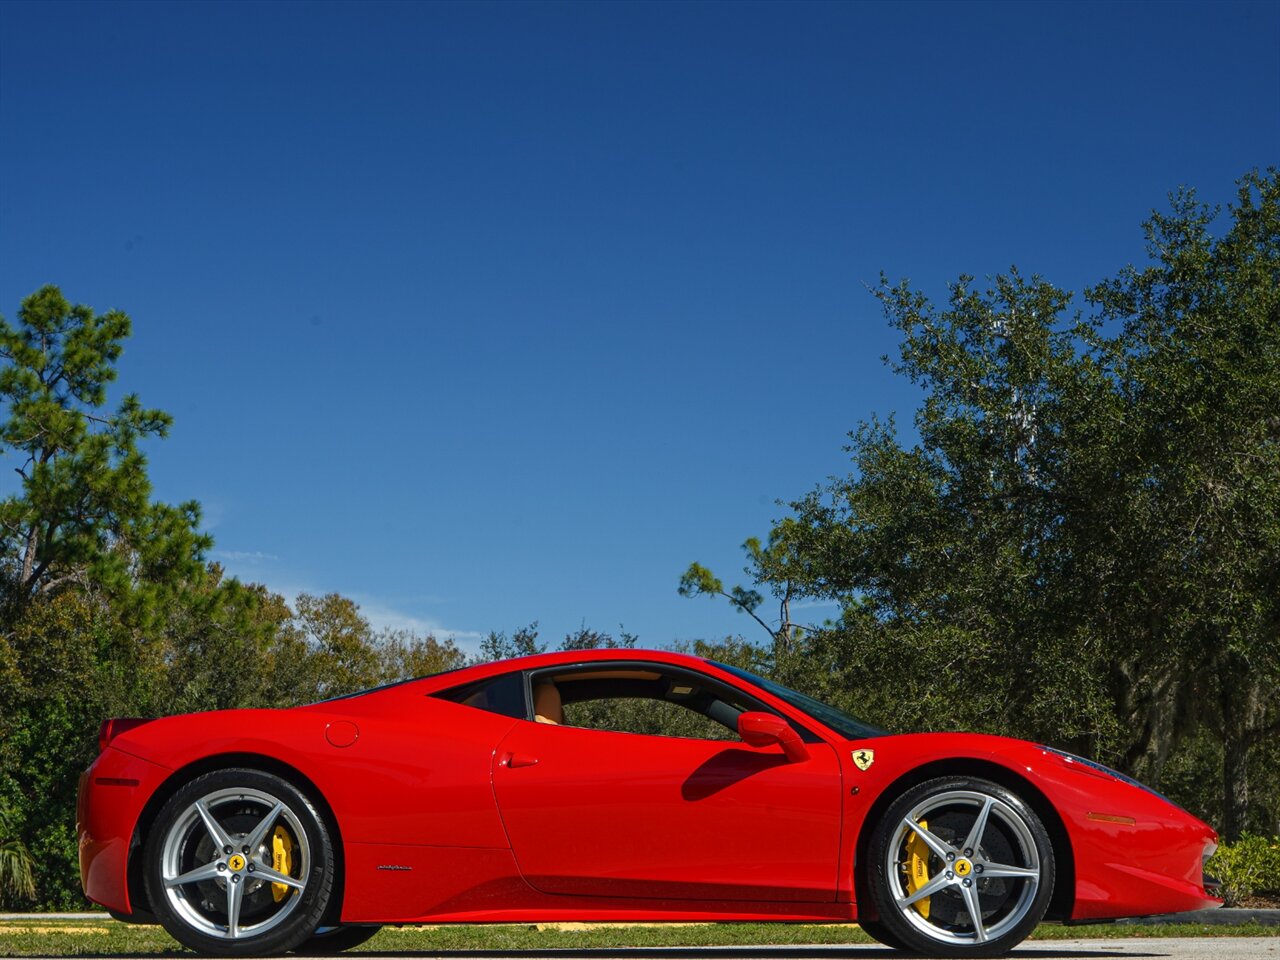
(223, 644)
(107, 606)
(781, 566)
(404, 655)
(765, 567)
(75, 671)
(17, 868)
(522, 643)
(1083, 543)
(334, 651)
(94, 574)
(84, 513)
(1197, 361)
(585, 638)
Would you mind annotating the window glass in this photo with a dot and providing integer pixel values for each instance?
(660, 718)
(502, 694)
(642, 699)
(837, 720)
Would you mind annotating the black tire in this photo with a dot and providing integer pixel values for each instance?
(247, 809)
(330, 940)
(877, 930)
(987, 894)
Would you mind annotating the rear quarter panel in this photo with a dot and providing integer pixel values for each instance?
(417, 771)
(415, 774)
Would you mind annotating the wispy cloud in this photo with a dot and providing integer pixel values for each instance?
(382, 614)
(815, 604)
(384, 617)
(243, 556)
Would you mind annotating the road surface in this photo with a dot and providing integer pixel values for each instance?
(1127, 948)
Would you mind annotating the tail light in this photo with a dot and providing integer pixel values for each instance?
(114, 726)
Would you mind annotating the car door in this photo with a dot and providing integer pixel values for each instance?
(609, 814)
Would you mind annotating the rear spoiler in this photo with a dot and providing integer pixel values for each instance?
(112, 727)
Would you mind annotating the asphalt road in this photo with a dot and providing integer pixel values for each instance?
(1184, 948)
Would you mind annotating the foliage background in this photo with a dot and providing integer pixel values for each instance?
(1082, 546)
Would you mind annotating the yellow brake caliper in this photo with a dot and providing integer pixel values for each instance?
(281, 861)
(917, 868)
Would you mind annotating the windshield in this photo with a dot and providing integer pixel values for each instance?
(837, 720)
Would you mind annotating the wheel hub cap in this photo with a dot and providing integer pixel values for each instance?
(970, 853)
(220, 878)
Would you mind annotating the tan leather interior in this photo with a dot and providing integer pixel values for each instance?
(547, 707)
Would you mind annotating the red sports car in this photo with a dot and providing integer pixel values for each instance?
(552, 788)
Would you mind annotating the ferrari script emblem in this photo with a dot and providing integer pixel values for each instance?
(862, 759)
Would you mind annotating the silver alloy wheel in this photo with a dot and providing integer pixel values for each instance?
(964, 866)
(219, 849)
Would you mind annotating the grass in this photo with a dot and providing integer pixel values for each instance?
(64, 938)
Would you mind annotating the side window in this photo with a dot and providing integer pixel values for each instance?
(646, 701)
(502, 694)
(659, 718)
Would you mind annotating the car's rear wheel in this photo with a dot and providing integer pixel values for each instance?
(960, 867)
(239, 863)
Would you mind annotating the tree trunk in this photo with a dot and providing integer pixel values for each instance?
(1154, 708)
(1235, 786)
(29, 556)
(1243, 712)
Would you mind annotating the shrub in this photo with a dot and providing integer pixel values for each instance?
(1248, 866)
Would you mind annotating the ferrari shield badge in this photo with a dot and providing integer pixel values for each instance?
(863, 759)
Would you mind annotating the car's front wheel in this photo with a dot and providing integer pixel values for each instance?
(239, 863)
(960, 867)
(877, 930)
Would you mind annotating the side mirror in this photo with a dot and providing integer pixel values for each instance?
(759, 729)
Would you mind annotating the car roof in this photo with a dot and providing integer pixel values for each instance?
(557, 658)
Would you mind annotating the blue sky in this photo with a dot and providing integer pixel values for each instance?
(488, 313)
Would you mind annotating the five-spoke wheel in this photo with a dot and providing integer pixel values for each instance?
(239, 863)
(960, 867)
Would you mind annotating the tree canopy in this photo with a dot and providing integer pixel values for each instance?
(84, 512)
(1078, 541)
(1081, 543)
(109, 606)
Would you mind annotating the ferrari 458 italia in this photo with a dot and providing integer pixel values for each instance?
(611, 785)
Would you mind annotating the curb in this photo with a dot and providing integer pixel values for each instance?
(1219, 916)
(55, 916)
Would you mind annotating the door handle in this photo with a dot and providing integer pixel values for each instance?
(514, 760)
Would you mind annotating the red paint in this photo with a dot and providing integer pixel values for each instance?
(114, 726)
(342, 733)
(505, 819)
(621, 815)
(758, 729)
